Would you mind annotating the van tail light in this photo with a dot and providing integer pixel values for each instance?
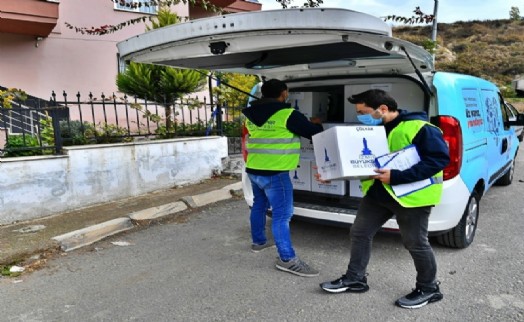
(452, 133)
(244, 135)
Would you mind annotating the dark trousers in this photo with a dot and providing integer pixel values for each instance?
(413, 224)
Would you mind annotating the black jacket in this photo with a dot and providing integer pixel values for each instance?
(261, 110)
(431, 147)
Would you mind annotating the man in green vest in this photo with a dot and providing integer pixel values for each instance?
(379, 204)
(273, 148)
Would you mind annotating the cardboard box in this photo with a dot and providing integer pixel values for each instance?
(355, 188)
(334, 187)
(349, 151)
(311, 104)
(306, 149)
(301, 176)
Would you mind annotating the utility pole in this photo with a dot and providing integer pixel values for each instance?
(434, 28)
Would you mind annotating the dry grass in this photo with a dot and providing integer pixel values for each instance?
(492, 49)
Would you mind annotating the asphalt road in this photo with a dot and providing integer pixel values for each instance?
(200, 269)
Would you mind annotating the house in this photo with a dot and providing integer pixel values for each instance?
(40, 54)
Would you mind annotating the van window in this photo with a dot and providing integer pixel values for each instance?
(505, 113)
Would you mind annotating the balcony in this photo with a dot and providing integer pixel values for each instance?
(28, 17)
(232, 6)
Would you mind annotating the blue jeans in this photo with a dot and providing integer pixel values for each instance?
(413, 224)
(274, 191)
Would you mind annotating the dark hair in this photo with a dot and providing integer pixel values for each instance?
(273, 88)
(374, 98)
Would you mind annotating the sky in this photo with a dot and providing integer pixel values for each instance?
(448, 10)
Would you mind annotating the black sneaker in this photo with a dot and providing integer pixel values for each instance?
(418, 298)
(344, 285)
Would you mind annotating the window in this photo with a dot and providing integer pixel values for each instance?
(136, 6)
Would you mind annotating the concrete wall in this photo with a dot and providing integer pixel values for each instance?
(35, 187)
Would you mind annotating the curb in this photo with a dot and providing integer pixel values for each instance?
(89, 235)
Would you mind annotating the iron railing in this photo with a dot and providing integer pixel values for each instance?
(110, 119)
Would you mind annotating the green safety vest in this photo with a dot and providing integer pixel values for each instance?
(400, 137)
(272, 146)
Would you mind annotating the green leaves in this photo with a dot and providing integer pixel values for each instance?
(161, 84)
(7, 96)
(232, 97)
(139, 80)
(164, 18)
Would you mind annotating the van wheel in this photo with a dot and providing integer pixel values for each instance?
(507, 178)
(462, 235)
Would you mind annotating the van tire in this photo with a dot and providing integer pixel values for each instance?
(463, 234)
(507, 178)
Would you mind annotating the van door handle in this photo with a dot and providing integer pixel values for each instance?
(504, 145)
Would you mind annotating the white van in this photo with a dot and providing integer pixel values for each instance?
(326, 55)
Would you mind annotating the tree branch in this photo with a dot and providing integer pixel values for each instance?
(108, 29)
(419, 17)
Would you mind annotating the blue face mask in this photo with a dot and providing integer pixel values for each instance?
(367, 119)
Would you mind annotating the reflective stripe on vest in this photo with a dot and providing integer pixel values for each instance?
(400, 137)
(272, 146)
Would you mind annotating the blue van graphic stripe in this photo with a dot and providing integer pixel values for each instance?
(500, 172)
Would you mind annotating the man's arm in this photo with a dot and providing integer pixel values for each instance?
(300, 125)
(434, 156)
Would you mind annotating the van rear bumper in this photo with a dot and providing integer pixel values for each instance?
(447, 214)
(444, 216)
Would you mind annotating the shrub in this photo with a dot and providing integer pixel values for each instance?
(232, 129)
(20, 146)
(110, 133)
(77, 133)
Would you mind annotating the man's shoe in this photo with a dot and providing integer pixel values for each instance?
(255, 248)
(344, 285)
(296, 266)
(418, 298)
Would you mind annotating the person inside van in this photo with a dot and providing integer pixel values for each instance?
(379, 204)
(273, 148)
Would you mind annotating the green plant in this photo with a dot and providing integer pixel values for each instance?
(47, 131)
(110, 133)
(514, 14)
(160, 83)
(430, 45)
(231, 97)
(232, 128)
(507, 91)
(19, 146)
(7, 96)
(6, 271)
(77, 133)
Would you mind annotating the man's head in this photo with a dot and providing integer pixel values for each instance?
(374, 106)
(276, 89)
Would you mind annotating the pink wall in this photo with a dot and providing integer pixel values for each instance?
(67, 60)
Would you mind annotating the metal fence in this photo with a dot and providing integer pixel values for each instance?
(65, 121)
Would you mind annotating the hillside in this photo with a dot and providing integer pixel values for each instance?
(491, 49)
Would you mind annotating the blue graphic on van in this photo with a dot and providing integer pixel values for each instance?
(296, 175)
(492, 108)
